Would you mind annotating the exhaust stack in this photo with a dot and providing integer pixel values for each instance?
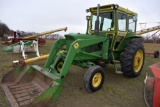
(96, 31)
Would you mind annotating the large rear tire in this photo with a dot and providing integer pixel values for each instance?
(132, 59)
(94, 78)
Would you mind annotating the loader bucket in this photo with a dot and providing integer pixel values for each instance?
(30, 86)
(152, 87)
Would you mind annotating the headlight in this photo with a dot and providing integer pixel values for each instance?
(114, 6)
(88, 17)
(87, 10)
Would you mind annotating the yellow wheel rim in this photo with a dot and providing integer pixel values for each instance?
(59, 66)
(138, 60)
(96, 80)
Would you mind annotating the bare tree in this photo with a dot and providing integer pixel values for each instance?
(4, 29)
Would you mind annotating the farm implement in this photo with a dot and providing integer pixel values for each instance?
(30, 60)
(110, 38)
(152, 87)
(8, 40)
(151, 51)
(27, 45)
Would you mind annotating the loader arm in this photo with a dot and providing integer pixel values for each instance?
(74, 53)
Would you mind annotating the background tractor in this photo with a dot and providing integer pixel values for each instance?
(110, 38)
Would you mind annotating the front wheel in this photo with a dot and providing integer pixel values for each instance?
(94, 78)
(59, 65)
(132, 59)
(156, 54)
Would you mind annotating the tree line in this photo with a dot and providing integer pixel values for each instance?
(4, 29)
(153, 39)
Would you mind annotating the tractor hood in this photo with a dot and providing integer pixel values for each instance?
(70, 38)
(80, 36)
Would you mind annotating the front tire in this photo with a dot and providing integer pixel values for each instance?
(94, 78)
(132, 59)
(59, 65)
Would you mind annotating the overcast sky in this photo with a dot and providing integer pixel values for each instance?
(45, 15)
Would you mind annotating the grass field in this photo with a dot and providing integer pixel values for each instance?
(117, 91)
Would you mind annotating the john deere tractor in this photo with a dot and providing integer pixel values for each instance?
(110, 38)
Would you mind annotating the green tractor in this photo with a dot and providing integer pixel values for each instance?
(110, 38)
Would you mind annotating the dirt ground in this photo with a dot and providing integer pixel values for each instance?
(117, 91)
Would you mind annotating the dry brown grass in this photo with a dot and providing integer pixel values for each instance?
(117, 91)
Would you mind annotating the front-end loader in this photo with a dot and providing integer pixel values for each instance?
(110, 38)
